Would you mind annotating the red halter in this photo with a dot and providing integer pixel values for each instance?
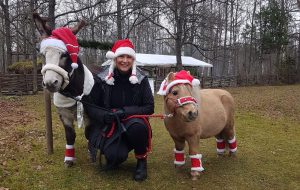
(186, 100)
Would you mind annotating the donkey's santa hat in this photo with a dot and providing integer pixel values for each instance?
(121, 47)
(181, 77)
(63, 39)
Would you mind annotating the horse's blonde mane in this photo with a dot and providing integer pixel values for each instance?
(196, 93)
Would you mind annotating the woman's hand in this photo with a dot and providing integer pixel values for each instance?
(110, 117)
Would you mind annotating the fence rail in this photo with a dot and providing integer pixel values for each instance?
(230, 81)
(22, 84)
(18, 84)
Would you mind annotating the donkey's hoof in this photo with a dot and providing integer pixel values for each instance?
(92, 158)
(195, 175)
(69, 163)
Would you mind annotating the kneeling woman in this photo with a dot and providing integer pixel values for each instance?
(124, 89)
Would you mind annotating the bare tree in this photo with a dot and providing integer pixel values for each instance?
(5, 8)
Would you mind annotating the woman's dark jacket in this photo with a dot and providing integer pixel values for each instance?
(134, 99)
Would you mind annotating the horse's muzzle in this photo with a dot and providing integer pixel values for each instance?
(192, 115)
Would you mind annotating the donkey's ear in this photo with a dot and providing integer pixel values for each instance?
(81, 24)
(41, 25)
(171, 76)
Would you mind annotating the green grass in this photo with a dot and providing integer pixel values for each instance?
(268, 130)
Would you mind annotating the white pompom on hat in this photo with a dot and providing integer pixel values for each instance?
(121, 47)
(181, 77)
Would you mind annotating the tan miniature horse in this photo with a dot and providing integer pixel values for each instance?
(198, 114)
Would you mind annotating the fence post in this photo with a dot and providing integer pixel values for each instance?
(49, 133)
(0, 86)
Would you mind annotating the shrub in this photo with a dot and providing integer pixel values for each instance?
(24, 67)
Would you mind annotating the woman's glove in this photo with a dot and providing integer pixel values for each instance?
(120, 113)
(110, 117)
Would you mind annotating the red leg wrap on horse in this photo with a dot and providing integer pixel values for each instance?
(179, 157)
(196, 162)
(232, 145)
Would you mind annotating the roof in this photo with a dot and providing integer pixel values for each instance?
(152, 60)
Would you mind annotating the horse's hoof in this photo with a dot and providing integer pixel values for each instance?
(69, 163)
(232, 154)
(220, 155)
(195, 175)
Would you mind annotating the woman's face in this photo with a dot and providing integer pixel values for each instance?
(124, 63)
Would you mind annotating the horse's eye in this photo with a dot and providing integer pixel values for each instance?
(174, 93)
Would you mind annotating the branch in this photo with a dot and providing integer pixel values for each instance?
(159, 25)
(82, 9)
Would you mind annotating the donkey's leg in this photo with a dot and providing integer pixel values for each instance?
(67, 116)
(196, 163)
(179, 152)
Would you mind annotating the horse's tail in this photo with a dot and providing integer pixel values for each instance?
(228, 103)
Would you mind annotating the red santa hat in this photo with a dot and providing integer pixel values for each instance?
(121, 47)
(63, 39)
(181, 77)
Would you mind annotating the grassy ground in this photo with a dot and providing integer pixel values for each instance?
(268, 129)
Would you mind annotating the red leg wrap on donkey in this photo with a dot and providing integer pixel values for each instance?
(179, 157)
(220, 146)
(70, 153)
(196, 162)
(232, 145)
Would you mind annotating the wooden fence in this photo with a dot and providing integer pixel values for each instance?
(22, 84)
(230, 81)
(18, 84)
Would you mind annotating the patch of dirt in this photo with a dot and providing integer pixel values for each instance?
(13, 114)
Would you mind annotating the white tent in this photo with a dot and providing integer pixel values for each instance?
(151, 60)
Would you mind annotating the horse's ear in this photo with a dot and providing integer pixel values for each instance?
(189, 72)
(81, 24)
(40, 23)
(171, 76)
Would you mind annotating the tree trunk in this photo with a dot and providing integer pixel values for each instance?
(33, 50)
(251, 39)
(179, 19)
(7, 35)
(225, 60)
(119, 19)
(51, 13)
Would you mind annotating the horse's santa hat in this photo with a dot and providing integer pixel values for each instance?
(121, 47)
(63, 39)
(181, 77)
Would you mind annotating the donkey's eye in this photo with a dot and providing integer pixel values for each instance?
(63, 55)
(174, 93)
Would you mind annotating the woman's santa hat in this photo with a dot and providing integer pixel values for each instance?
(121, 47)
(64, 40)
(181, 77)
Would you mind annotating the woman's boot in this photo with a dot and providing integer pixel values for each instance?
(140, 173)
